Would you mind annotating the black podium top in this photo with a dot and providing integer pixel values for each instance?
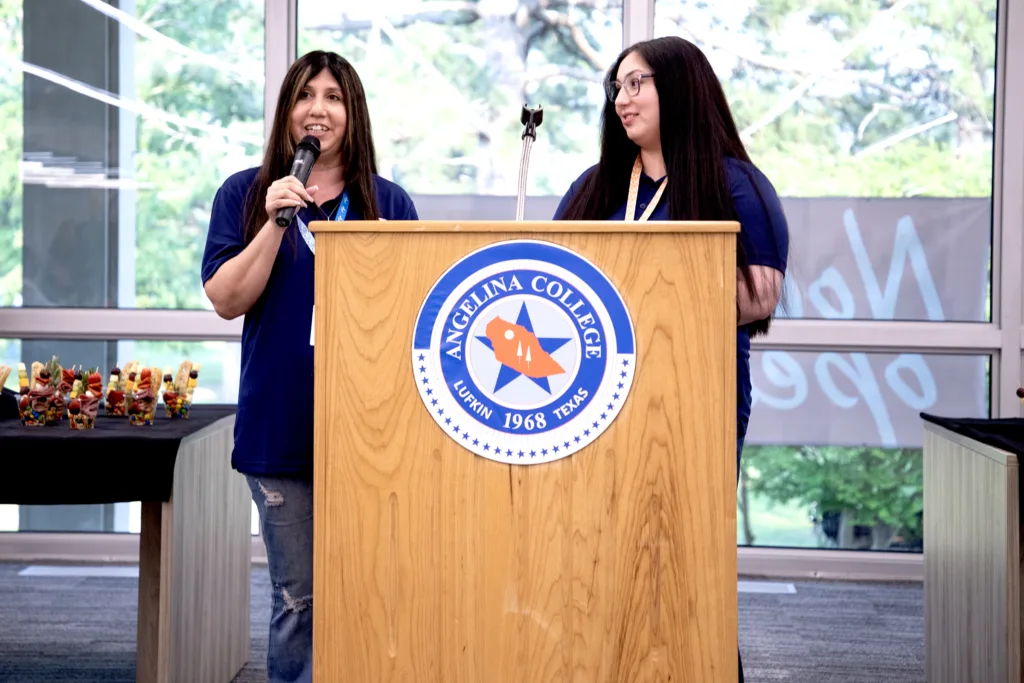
(115, 462)
(1006, 434)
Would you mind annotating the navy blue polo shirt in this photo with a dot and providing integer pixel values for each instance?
(274, 422)
(764, 235)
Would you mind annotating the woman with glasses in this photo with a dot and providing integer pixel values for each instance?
(255, 268)
(670, 151)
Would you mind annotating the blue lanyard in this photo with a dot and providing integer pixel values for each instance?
(339, 215)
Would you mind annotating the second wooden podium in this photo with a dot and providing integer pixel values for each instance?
(525, 452)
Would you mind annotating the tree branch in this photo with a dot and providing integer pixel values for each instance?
(440, 13)
(826, 65)
(905, 134)
(752, 58)
(555, 70)
(588, 53)
(876, 109)
(890, 90)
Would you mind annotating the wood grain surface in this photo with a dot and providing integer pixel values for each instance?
(549, 227)
(615, 564)
(195, 568)
(972, 560)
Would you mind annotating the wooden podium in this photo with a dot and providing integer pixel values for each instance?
(617, 563)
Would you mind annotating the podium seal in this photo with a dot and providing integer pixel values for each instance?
(523, 352)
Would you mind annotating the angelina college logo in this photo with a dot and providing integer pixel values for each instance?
(523, 352)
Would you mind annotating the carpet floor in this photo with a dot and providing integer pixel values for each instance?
(59, 629)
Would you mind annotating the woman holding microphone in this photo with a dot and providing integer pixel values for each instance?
(254, 268)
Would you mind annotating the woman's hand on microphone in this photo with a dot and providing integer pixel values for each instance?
(288, 191)
(240, 281)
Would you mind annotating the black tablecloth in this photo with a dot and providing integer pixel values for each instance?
(115, 462)
(1006, 434)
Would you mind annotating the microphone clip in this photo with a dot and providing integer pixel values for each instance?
(531, 118)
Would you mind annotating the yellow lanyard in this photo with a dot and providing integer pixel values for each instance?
(634, 187)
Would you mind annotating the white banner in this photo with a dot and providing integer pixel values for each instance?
(876, 259)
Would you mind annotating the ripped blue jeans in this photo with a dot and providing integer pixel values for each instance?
(286, 521)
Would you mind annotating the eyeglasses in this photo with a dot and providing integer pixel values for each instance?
(632, 86)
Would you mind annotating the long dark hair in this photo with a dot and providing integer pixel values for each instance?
(359, 158)
(697, 134)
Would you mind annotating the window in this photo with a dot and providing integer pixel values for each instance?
(221, 361)
(833, 452)
(120, 122)
(875, 123)
(886, 109)
(446, 85)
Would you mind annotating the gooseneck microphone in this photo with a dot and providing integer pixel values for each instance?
(306, 154)
(531, 118)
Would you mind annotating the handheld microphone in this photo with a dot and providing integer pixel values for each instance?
(306, 154)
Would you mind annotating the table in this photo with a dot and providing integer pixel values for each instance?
(972, 544)
(195, 546)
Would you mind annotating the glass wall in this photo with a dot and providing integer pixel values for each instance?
(834, 454)
(447, 83)
(120, 120)
(876, 122)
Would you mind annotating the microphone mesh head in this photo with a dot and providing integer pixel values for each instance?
(310, 143)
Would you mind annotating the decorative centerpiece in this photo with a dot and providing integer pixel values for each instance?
(85, 399)
(119, 389)
(36, 396)
(62, 381)
(144, 399)
(66, 385)
(178, 391)
(50, 393)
